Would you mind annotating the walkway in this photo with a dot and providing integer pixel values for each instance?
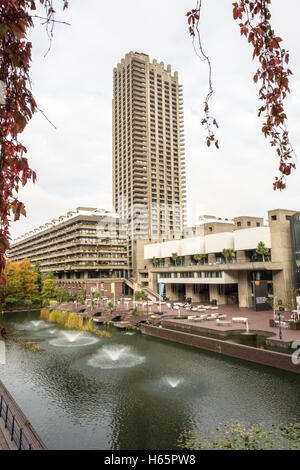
(5, 441)
(259, 322)
(24, 435)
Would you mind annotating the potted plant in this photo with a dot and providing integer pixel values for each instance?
(262, 250)
(199, 258)
(174, 257)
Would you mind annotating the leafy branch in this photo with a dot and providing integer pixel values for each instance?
(273, 74)
(17, 106)
(208, 121)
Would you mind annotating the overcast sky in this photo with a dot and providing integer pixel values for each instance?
(73, 86)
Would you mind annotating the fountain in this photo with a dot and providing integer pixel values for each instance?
(247, 337)
(115, 356)
(114, 353)
(37, 323)
(173, 381)
(71, 336)
(73, 339)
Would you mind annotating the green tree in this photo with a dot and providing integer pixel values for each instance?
(262, 250)
(61, 294)
(29, 279)
(49, 289)
(111, 307)
(81, 296)
(135, 311)
(47, 275)
(174, 257)
(37, 268)
(228, 254)
(21, 279)
(199, 258)
(13, 280)
(141, 295)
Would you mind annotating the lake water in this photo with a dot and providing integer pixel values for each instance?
(132, 391)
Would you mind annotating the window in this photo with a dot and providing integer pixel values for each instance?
(248, 224)
(239, 224)
(274, 217)
(257, 224)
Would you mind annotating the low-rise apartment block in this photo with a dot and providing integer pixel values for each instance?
(86, 248)
(172, 267)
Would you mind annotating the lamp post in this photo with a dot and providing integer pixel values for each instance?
(279, 318)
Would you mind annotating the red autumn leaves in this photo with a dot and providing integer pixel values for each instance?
(16, 110)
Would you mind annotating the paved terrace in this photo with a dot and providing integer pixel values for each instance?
(156, 312)
(258, 322)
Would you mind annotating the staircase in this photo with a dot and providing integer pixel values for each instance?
(152, 295)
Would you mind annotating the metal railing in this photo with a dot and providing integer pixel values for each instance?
(214, 263)
(16, 432)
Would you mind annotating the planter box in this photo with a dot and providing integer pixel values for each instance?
(295, 325)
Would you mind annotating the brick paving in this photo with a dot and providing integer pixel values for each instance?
(258, 322)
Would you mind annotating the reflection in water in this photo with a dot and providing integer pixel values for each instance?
(81, 398)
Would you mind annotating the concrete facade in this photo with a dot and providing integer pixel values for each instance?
(148, 174)
(226, 281)
(84, 247)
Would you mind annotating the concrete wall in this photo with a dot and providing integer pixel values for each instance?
(281, 251)
(245, 239)
(248, 239)
(267, 358)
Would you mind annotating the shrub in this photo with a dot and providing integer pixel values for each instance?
(33, 347)
(9, 301)
(237, 436)
(141, 295)
(72, 321)
(44, 314)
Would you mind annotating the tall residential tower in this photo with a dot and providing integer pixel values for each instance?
(148, 149)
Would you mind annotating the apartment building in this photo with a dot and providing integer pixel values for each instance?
(149, 189)
(86, 248)
(171, 267)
